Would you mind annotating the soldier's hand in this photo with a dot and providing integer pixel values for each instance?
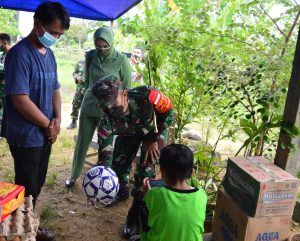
(151, 152)
(124, 101)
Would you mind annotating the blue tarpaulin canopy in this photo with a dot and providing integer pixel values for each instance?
(88, 9)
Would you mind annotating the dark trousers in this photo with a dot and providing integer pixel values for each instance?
(31, 165)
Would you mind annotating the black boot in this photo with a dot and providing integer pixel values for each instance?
(44, 235)
(122, 195)
(132, 225)
(73, 125)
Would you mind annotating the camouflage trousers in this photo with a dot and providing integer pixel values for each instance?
(76, 103)
(125, 151)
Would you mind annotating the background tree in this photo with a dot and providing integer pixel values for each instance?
(8, 22)
(225, 60)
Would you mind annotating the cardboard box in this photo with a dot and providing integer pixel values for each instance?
(231, 223)
(11, 197)
(260, 187)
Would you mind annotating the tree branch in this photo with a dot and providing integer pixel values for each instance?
(271, 18)
(287, 38)
(296, 3)
(237, 40)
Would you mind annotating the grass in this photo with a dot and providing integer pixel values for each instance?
(66, 62)
(51, 180)
(64, 143)
(47, 214)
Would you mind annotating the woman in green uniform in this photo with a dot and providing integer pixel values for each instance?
(104, 61)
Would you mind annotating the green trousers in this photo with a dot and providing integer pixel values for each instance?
(125, 150)
(86, 130)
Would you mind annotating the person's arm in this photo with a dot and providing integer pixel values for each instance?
(162, 105)
(125, 73)
(75, 73)
(54, 126)
(105, 140)
(29, 110)
(88, 59)
(164, 117)
(57, 105)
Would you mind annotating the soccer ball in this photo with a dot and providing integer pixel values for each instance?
(101, 185)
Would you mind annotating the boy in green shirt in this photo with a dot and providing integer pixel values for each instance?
(175, 210)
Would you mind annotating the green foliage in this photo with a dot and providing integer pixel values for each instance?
(8, 22)
(226, 60)
(207, 171)
(241, 95)
(77, 34)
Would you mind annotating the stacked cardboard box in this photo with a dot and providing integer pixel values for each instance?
(257, 202)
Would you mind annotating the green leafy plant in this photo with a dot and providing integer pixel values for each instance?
(51, 180)
(8, 22)
(207, 173)
(208, 169)
(230, 62)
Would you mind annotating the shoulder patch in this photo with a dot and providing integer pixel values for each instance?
(160, 101)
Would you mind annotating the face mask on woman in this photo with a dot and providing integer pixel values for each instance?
(103, 51)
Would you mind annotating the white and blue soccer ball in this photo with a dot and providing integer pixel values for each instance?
(101, 184)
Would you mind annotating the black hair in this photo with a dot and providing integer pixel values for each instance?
(177, 160)
(5, 37)
(48, 12)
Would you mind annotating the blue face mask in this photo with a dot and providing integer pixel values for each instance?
(47, 39)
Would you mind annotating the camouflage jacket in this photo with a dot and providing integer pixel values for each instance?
(139, 121)
(78, 74)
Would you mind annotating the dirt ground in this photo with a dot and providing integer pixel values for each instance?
(66, 212)
(74, 220)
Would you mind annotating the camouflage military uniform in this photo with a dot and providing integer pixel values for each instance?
(78, 76)
(133, 130)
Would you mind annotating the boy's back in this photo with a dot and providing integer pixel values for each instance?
(175, 215)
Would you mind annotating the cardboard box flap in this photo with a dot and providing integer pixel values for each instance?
(262, 170)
